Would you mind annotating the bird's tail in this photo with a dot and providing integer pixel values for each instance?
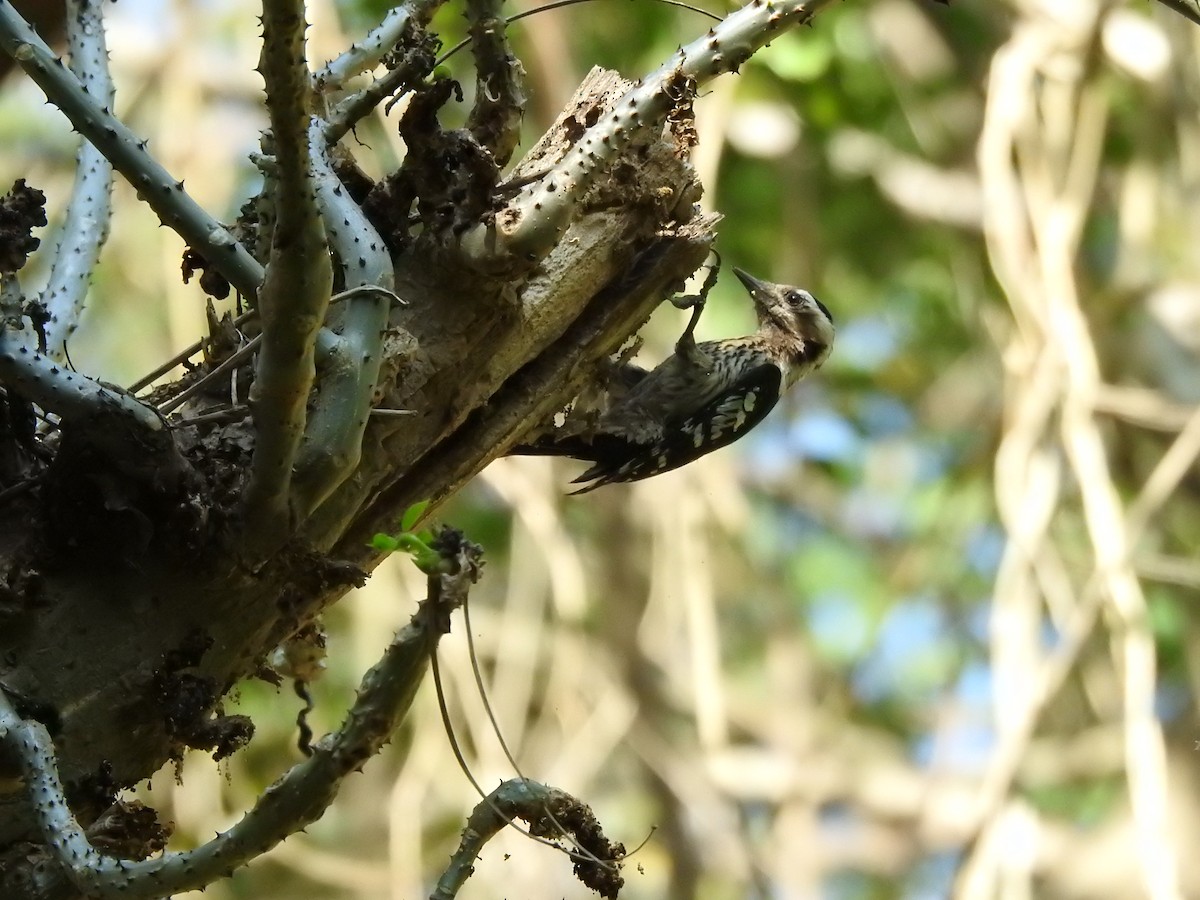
(574, 446)
(608, 454)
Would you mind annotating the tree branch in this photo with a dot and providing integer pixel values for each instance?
(543, 808)
(89, 210)
(127, 153)
(68, 393)
(295, 293)
(1189, 9)
(367, 53)
(530, 225)
(351, 363)
(293, 802)
(495, 119)
(409, 63)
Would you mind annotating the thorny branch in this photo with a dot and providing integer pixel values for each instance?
(354, 355)
(296, 290)
(522, 232)
(90, 208)
(127, 153)
(296, 800)
(367, 53)
(546, 810)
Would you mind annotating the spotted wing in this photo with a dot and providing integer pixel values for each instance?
(716, 424)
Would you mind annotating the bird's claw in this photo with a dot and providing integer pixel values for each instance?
(698, 299)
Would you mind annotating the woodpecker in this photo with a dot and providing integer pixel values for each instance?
(705, 395)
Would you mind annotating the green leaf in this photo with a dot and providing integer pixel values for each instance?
(428, 561)
(384, 542)
(413, 514)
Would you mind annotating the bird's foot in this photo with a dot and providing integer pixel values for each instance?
(695, 302)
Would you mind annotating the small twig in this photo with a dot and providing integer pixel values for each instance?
(392, 413)
(529, 800)
(580, 853)
(192, 349)
(183, 355)
(483, 694)
(218, 415)
(477, 672)
(228, 364)
(1189, 9)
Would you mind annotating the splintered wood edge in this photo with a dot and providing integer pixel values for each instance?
(596, 94)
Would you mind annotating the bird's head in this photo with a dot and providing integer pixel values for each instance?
(793, 312)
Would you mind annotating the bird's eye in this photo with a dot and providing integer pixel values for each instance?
(805, 301)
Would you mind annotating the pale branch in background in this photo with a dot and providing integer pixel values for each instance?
(295, 293)
(532, 223)
(1144, 407)
(127, 153)
(1035, 226)
(89, 211)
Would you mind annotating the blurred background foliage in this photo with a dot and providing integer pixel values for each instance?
(932, 627)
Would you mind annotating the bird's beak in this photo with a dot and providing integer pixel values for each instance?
(753, 285)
